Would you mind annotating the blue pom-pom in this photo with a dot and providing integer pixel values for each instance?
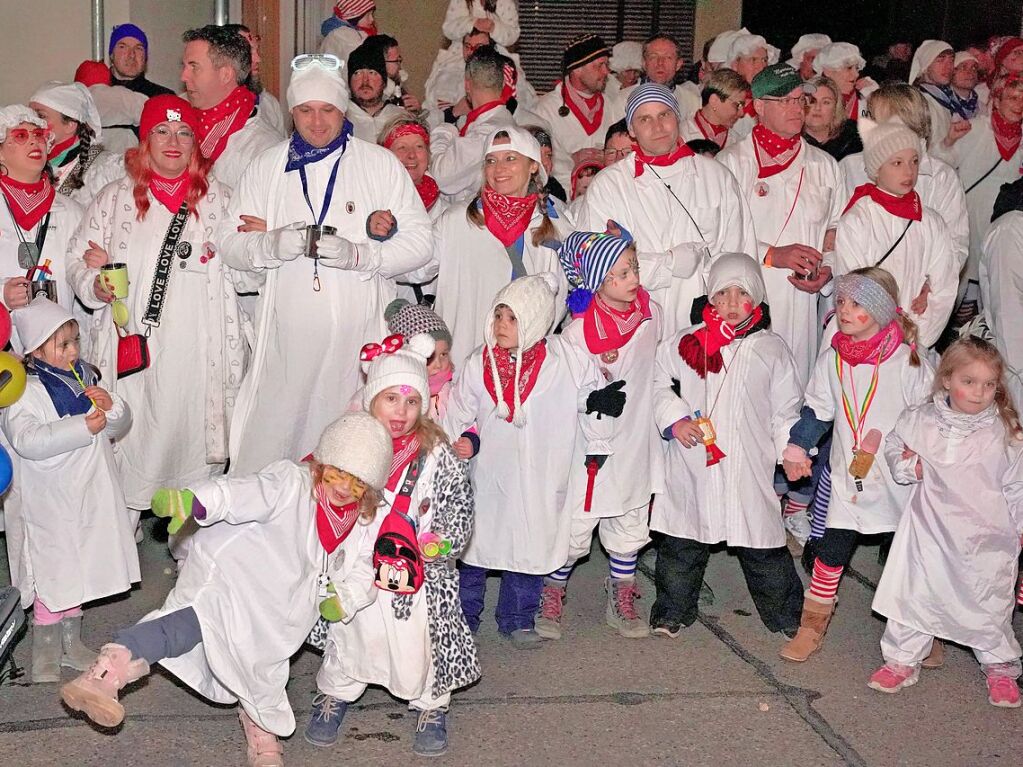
(579, 300)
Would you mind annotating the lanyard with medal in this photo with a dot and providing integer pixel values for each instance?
(318, 229)
(29, 252)
(864, 446)
(710, 436)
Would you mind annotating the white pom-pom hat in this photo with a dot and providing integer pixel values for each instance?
(359, 444)
(397, 361)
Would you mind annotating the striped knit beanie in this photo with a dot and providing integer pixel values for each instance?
(650, 93)
(586, 258)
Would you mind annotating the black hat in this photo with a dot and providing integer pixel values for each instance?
(369, 55)
(582, 50)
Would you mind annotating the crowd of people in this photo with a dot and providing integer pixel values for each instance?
(418, 341)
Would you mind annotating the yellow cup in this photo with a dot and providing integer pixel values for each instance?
(115, 277)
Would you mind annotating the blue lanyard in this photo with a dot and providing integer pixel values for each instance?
(327, 196)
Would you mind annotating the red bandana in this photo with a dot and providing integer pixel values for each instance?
(1007, 135)
(29, 202)
(701, 349)
(405, 449)
(774, 153)
(716, 133)
(908, 206)
(661, 161)
(219, 123)
(532, 360)
(333, 524)
(62, 146)
(881, 345)
(606, 329)
(507, 217)
(852, 105)
(477, 112)
(170, 192)
(428, 191)
(588, 110)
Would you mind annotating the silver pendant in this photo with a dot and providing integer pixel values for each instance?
(28, 255)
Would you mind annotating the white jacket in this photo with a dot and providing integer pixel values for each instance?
(460, 19)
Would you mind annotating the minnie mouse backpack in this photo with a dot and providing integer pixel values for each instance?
(397, 560)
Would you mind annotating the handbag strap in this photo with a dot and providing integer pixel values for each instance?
(893, 247)
(161, 276)
(990, 171)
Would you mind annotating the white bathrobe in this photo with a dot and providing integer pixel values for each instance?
(460, 19)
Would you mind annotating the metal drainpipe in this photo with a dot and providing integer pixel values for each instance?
(97, 30)
(221, 12)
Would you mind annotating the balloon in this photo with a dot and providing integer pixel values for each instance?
(5, 326)
(6, 470)
(12, 379)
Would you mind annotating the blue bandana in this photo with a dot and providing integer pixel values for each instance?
(65, 392)
(302, 153)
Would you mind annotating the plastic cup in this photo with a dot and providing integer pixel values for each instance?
(115, 277)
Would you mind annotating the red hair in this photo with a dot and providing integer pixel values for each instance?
(139, 166)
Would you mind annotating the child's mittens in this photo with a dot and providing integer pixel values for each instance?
(607, 401)
(177, 505)
(330, 608)
(796, 463)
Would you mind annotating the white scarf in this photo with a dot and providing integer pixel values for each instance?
(953, 424)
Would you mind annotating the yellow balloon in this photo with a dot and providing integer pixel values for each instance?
(12, 379)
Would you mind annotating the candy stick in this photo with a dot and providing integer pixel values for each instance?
(82, 384)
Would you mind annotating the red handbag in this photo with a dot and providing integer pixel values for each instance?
(132, 354)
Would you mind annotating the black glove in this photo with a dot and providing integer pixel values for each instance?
(600, 459)
(607, 401)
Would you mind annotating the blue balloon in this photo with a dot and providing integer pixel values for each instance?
(6, 470)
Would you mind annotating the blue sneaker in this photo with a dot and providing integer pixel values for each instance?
(431, 733)
(325, 720)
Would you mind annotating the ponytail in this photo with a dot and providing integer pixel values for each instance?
(910, 333)
(76, 179)
(546, 231)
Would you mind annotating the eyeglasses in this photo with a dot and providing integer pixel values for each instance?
(332, 475)
(397, 61)
(22, 135)
(616, 154)
(163, 134)
(327, 61)
(788, 101)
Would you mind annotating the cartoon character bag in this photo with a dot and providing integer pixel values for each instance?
(397, 560)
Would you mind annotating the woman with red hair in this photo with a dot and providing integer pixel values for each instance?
(172, 347)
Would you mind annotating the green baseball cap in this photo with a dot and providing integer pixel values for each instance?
(778, 81)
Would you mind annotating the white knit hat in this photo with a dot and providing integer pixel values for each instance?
(315, 83)
(925, 55)
(405, 365)
(14, 115)
(718, 51)
(38, 321)
(740, 270)
(72, 100)
(810, 42)
(522, 141)
(359, 444)
(836, 56)
(882, 140)
(533, 300)
(627, 54)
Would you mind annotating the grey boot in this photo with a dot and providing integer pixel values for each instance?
(45, 653)
(74, 654)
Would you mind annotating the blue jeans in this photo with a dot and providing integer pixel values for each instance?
(517, 602)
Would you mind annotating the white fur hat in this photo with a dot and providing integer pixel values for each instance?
(718, 51)
(882, 140)
(810, 42)
(315, 83)
(403, 365)
(14, 115)
(522, 141)
(836, 55)
(744, 45)
(359, 444)
(72, 100)
(38, 321)
(963, 56)
(533, 300)
(740, 270)
(925, 55)
(627, 54)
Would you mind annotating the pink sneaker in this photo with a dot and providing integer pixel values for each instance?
(262, 747)
(892, 678)
(1002, 691)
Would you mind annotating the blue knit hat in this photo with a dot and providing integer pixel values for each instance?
(121, 31)
(650, 93)
(586, 258)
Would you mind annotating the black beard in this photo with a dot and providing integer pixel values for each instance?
(367, 104)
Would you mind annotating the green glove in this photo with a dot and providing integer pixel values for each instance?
(176, 504)
(330, 608)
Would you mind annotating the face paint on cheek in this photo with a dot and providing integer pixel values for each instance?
(405, 390)
(747, 306)
(862, 319)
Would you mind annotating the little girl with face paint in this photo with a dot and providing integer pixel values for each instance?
(949, 573)
(726, 392)
(862, 384)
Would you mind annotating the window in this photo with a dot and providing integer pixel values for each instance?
(548, 26)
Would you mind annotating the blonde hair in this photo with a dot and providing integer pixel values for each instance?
(368, 504)
(905, 102)
(973, 349)
(838, 116)
(910, 333)
(402, 118)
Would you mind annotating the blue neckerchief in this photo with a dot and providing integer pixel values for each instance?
(331, 23)
(943, 94)
(65, 392)
(302, 153)
(966, 108)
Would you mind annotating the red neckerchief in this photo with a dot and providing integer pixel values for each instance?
(1007, 135)
(774, 153)
(478, 111)
(701, 349)
(663, 160)
(908, 206)
(852, 105)
(63, 145)
(405, 450)
(716, 133)
(29, 202)
(219, 123)
(588, 110)
(333, 524)
(606, 328)
(507, 217)
(532, 360)
(170, 192)
(428, 191)
(884, 343)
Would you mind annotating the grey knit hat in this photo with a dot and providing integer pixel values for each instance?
(410, 319)
(882, 140)
(870, 295)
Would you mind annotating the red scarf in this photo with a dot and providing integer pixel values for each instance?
(532, 360)
(748, 110)
(588, 110)
(507, 217)
(478, 111)
(606, 328)
(29, 202)
(908, 206)
(1007, 135)
(852, 105)
(170, 192)
(219, 123)
(716, 133)
(428, 191)
(663, 160)
(58, 149)
(774, 153)
(884, 343)
(701, 349)
(406, 450)
(333, 524)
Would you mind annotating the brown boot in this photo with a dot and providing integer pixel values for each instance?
(262, 747)
(94, 693)
(812, 626)
(937, 657)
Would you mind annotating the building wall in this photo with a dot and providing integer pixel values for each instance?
(714, 17)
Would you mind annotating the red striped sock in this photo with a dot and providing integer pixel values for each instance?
(824, 582)
(794, 507)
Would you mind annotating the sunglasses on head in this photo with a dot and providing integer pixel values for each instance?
(22, 135)
(326, 61)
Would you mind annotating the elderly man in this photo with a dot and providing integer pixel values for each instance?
(843, 63)
(795, 192)
(215, 65)
(367, 78)
(681, 208)
(804, 51)
(662, 60)
(129, 55)
(315, 313)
